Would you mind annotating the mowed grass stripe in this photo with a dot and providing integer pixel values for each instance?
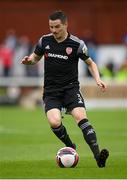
(28, 147)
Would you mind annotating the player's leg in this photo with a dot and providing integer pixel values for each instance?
(88, 131)
(89, 134)
(75, 105)
(54, 119)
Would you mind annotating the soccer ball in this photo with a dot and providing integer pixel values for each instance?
(67, 157)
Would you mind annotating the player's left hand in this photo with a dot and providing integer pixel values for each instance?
(102, 85)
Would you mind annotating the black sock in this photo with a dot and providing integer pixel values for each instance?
(61, 133)
(90, 136)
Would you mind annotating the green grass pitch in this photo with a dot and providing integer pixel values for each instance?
(28, 147)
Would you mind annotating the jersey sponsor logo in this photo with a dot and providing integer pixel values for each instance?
(59, 56)
(68, 50)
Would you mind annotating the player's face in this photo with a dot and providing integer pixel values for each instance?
(58, 29)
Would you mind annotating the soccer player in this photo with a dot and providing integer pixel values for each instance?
(61, 51)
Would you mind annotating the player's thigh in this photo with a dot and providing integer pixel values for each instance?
(73, 99)
(79, 113)
(54, 117)
(51, 102)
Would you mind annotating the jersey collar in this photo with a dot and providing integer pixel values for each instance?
(63, 40)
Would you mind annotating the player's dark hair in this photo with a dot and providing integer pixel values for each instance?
(58, 15)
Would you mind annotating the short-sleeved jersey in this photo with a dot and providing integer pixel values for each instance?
(60, 60)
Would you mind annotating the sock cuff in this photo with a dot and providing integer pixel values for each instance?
(57, 128)
(84, 123)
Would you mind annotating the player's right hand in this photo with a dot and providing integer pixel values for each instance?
(26, 60)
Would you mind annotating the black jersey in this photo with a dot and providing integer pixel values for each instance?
(61, 60)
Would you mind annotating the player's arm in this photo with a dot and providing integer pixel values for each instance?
(95, 73)
(36, 55)
(31, 60)
(83, 54)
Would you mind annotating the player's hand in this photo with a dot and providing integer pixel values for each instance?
(26, 60)
(102, 85)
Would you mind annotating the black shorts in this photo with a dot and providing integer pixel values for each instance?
(63, 98)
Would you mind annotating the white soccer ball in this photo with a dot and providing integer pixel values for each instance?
(67, 157)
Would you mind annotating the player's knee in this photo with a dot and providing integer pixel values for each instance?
(54, 121)
(54, 118)
(79, 114)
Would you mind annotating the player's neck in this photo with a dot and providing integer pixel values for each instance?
(62, 38)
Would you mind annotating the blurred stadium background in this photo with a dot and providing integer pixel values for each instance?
(103, 26)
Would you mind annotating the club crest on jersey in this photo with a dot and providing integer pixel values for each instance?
(68, 50)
